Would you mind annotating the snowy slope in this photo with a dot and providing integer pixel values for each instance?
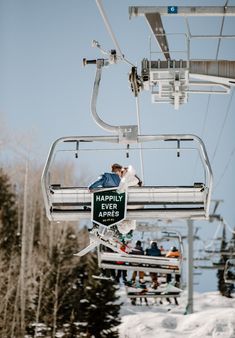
(214, 316)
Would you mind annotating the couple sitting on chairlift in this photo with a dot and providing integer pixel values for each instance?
(122, 178)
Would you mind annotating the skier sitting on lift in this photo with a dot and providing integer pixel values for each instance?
(120, 176)
(153, 251)
(128, 179)
(108, 180)
(138, 250)
(173, 253)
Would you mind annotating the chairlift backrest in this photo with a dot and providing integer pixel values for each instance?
(154, 202)
(113, 260)
(142, 262)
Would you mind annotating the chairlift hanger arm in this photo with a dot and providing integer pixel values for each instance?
(216, 71)
(127, 133)
(95, 91)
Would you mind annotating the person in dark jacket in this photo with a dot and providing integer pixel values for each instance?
(137, 250)
(108, 180)
(122, 273)
(153, 251)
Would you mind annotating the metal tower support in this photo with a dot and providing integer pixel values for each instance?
(189, 308)
(183, 10)
(220, 71)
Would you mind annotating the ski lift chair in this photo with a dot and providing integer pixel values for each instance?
(72, 203)
(133, 292)
(147, 264)
(116, 261)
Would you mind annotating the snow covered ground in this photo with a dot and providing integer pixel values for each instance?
(214, 316)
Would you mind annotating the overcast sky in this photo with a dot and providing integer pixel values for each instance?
(45, 91)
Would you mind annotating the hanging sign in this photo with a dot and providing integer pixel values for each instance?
(108, 207)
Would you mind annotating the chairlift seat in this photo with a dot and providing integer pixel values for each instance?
(112, 260)
(162, 291)
(73, 203)
(147, 202)
(153, 294)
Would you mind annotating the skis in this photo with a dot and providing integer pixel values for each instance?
(87, 249)
(170, 288)
(143, 290)
(102, 277)
(97, 239)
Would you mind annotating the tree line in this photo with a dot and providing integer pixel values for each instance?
(44, 289)
(227, 246)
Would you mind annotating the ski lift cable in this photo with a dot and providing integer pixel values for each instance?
(229, 227)
(225, 169)
(206, 116)
(221, 29)
(139, 132)
(214, 237)
(216, 58)
(110, 31)
(230, 100)
(222, 127)
(203, 129)
(209, 96)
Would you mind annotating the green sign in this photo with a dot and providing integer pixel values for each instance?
(108, 207)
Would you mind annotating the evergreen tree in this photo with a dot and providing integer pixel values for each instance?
(220, 274)
(224, 288)
(101, 309)
(231, 249)
(59, 277)
(87, 305)
(231, 244)
(9, 254)
(62, 288)
(92, 303)
(9, 238)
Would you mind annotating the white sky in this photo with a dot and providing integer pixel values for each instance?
(45, 91)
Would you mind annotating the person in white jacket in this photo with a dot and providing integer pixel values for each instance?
(128, 179)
